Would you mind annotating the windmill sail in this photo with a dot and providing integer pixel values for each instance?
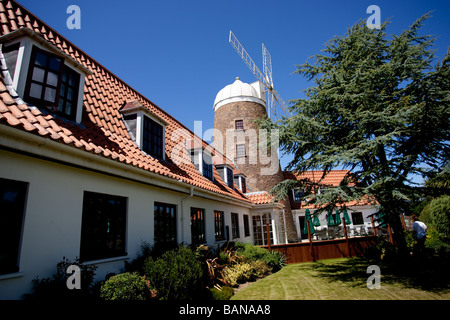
(265, 78)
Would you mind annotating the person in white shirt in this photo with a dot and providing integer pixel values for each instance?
(419, 230)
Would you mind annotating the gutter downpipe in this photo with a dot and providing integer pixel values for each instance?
(190, 195)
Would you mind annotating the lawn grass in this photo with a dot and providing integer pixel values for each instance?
(346, 279)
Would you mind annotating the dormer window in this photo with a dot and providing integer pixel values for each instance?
(152, 138)
(298, 194)
(239, 181)
(52, 83)
(201, 158)
(145, 128)
(43, 75)
(226, 173)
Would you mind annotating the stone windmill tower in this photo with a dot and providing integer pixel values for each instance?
(237, 136)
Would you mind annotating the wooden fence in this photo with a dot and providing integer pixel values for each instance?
(325, 249)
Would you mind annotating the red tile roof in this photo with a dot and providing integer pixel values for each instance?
(102, 130)
(260, 197)
(333, 178)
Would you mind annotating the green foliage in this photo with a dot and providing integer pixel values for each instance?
(125, 286)
(224, 293)
(381, 250)
(260, 268)
(440, 215)
(379, 107)
(275, 260)
(55, 288)
(435, 242)
(176, 275)
(245, 271)
(238, 273)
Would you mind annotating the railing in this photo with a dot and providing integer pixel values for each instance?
(338, 247)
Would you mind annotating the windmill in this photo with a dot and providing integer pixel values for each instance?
(266, 78)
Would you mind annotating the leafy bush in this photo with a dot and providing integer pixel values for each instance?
(224, 293)
(260, 268)
(440, 215)
(381, 250)
(125, 286)
(55, 288)
(176, 275)
(274, 259)
(245, 271)
(238, 273)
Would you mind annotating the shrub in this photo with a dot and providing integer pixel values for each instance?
(440, 215)
(274, 259)
(224, 293)
(260, 268)
(176, 275)
(55, 288)
(238, 273)
(245, 271)
(125, 286)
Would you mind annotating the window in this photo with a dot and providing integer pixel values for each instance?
(298, 194)
(239, 124)
(207, 167)
(103, 226)
(198, 226)
(12, 204)
(165, 223)
(240, 150)
(260, 229)
(52, 83)
(152, 140)
(243, 185)
(357, 218)
(44, 76)
(230, 178)
(246, 226)
(239, 180)
(219, 225)
(235, 225)
(68, 95)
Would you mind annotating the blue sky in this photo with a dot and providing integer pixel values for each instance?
(176, 53)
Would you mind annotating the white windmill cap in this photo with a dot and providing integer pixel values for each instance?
(240, 91)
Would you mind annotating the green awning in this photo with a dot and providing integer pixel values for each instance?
(311, 226)
(316, 221)
(330, 220)
(346, 217)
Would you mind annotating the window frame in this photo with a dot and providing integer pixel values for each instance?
(141, 125)
(219, 225)
(356, 218)
(91, 246)
(32, 65)
(207, 168)
(246, 225)
(11, 248)
(230, 177)
(64, 70)
(19, 63)
(239, 124)
(169, 223)
(152, 139)
(198, 232)
(235, 225)
(240, 150)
